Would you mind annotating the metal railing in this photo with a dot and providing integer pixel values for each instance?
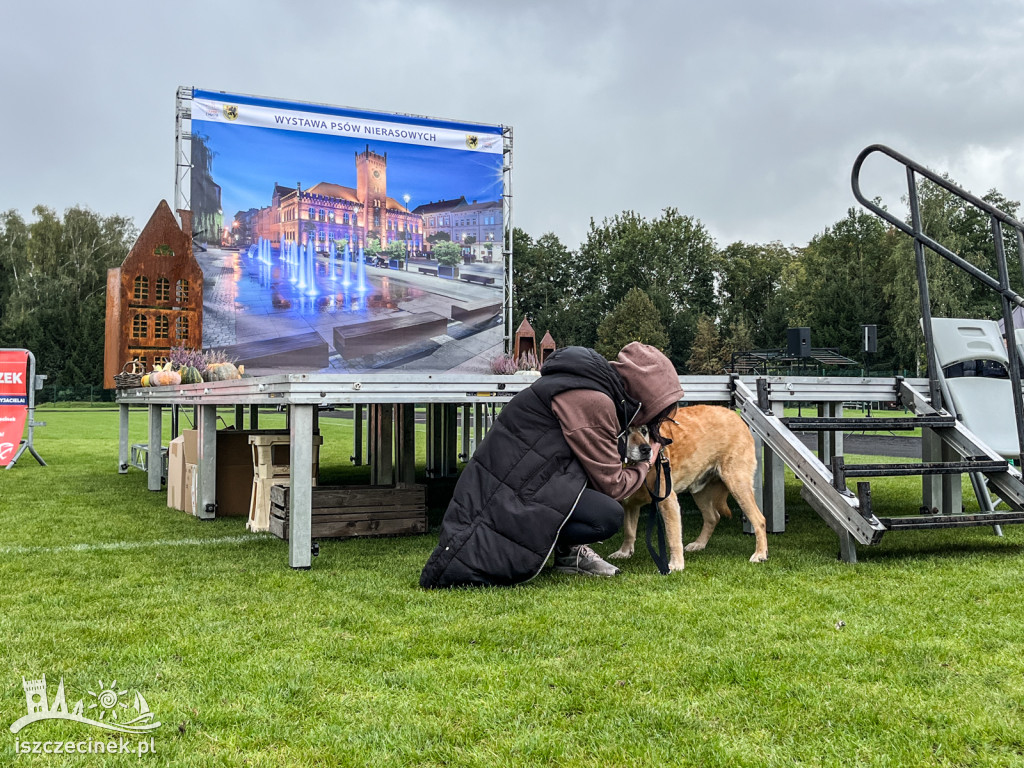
(1000, 283)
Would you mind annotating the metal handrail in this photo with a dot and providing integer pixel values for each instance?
(999, 284)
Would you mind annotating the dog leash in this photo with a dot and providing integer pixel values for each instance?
(662, 475)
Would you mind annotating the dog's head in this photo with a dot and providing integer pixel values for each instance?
(639, 439)
(638, 445)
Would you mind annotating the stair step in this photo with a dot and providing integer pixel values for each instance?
(923, 468)
(883, 424)
(925, 522)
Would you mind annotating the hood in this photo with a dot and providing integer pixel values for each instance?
(649, 377)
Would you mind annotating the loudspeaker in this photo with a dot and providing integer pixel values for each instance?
(870, 338)
(798, 342)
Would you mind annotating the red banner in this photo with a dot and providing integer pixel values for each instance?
(14, 385)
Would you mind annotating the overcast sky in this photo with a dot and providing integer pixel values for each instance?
(747, 115)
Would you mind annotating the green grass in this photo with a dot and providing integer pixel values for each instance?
(246, 662)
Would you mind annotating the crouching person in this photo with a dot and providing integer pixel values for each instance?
(549, 475)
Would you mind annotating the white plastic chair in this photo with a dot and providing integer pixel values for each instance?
(984, 404)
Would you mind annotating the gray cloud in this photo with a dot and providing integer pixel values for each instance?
(747, 115)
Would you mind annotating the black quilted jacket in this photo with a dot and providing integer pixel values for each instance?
(523, 482)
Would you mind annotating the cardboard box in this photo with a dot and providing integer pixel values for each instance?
(234, 470)
(176, 472)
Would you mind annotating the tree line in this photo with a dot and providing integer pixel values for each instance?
(666, 282)
(53, 278)
(662, 280)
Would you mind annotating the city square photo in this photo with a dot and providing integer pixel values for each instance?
(342, 240)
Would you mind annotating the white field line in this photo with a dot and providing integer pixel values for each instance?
(122, 545)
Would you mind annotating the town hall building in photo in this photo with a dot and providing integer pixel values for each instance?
(328, 211)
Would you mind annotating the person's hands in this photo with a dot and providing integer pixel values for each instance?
(655, 447)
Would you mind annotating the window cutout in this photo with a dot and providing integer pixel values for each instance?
(163, 250)
(181, 328)
(163, 289)
(160, 360)
(181, 290)
(161, 327)
(141, 289)
(140, 327)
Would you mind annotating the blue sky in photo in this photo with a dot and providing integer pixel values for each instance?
(248, 161)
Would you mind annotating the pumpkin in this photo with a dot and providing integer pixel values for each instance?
(222, 372)
(164, 377)
(190, 375)
(145, 380)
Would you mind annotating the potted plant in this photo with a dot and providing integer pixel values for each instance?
(396, 254)
(448, 255)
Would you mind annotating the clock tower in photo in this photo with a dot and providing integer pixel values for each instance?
(372, 191)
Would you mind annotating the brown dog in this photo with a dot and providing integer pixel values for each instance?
(711, 455)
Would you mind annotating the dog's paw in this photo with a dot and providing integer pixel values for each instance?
(621, 554)
(759, 557)
(675, 566)
(694, 546)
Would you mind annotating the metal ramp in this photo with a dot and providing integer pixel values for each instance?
(944, 434)
(851, 515)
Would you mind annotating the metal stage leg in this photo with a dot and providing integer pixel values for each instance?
(206, 468)
(357, 435)
(405, 444)
(478, 425)
(175, 428)
(300, 517)
(435, 437)
(952, 485)
(382, 463)
(931, 485)
(774, 497)
(450, 440)
(847, 548)
(123, 444)
(155, 465)
(254, 417)
(240, 417)
(465, 431)
(829, 443)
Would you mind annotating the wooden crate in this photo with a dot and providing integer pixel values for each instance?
(341, 512)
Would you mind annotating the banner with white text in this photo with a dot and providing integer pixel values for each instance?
(13, 401)
(345, 240)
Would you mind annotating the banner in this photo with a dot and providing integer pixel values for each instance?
(343, 240)
(13, 401)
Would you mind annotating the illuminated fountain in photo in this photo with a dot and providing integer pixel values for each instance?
(330, 261)
(310, 268)
(346, 269)
(293, 259)
(301, 266)
(361, 272)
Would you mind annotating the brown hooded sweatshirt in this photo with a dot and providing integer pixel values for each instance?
(591, 427)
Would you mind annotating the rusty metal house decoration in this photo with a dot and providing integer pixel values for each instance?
(526, 340)
(547, 346)
(155, 298)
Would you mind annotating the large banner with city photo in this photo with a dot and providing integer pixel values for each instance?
(340, 240)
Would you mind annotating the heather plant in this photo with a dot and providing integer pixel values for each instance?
(503, 365)
(185, 357)
(528, 362)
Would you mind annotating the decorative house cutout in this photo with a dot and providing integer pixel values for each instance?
(547, 346)
(155, 298)
(526, 340)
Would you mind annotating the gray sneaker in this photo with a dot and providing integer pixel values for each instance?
(583, 560)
